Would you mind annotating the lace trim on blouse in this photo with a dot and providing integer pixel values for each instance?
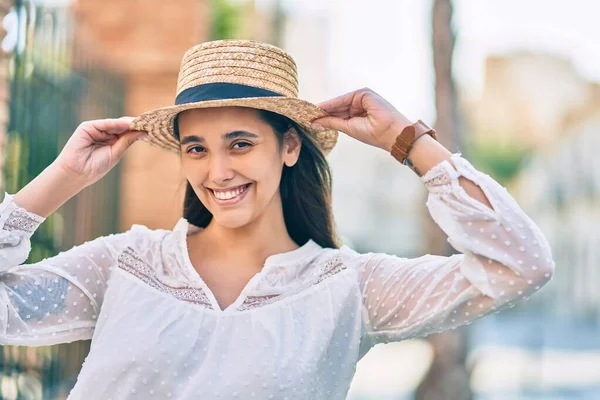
(129, 261)
(441, 180)
(251, 302)
(21, 220)
(327, 270)
(330, 268)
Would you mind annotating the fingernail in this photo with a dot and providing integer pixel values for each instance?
(314, 125)
(142, 137)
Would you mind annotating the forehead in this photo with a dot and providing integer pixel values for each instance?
(220, 118)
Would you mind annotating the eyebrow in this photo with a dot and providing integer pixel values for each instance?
(228, 136)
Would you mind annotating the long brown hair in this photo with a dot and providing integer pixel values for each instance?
(305, 189)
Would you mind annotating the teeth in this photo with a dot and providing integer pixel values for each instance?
(229, 194)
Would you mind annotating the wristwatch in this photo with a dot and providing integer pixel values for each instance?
(408, 136)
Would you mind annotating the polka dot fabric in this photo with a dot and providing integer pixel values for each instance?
(299, 326)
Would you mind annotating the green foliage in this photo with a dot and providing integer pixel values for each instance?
(48, 99)
(15, 164)
(225, 19)
(500, 159)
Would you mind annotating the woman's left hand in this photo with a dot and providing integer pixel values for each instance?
(364, 115)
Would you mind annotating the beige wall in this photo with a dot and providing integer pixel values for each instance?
(145, 41)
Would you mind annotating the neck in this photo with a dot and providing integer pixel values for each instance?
(264, 236)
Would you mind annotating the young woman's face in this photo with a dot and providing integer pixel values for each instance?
(234, 162)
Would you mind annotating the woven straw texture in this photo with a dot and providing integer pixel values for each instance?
(245, 62)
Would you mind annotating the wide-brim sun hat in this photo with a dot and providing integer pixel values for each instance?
(244, 73)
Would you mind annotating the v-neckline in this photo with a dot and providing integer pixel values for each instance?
(281, 259)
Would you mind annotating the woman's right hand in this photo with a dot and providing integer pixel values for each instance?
(96, 147)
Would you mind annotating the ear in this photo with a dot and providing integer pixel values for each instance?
(291, 147)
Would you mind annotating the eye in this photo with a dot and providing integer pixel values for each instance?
(200, 149)
(241, 145)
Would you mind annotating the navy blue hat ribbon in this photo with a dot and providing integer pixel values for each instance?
(218, 91)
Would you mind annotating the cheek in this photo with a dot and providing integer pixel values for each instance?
(195, 174)
(266, 172)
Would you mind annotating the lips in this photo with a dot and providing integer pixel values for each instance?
(230, 195)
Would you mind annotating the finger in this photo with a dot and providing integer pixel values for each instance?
(113, 126)
(340, 114)
(342, 101)
(126, 140)
(349, 113)
(338, 124)
(342, 108)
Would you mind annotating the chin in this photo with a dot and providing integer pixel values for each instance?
(232, 220)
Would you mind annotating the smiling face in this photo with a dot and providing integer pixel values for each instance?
(234, 160)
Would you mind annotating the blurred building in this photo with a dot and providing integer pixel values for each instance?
(539, 101)
(526, 97)
(560, 189)
(144, 42)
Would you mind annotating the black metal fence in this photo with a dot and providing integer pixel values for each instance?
(49, 97)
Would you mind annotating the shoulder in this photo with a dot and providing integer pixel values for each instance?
(149, 241)
(344, 254)
(140, 234)
(143, 250)
(345, 257)
(351, 257)
(139, 238)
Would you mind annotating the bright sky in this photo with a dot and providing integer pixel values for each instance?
(385, 44)
(567, 28)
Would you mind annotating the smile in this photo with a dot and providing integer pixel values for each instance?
(230, 196)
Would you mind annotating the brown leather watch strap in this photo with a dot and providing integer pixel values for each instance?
(406, 139)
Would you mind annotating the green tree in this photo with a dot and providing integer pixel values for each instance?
(448, 377)
(225, 20)
(502, 160)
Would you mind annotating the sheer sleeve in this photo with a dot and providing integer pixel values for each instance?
(505, 258)
(56, 300)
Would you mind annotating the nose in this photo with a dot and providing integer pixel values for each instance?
(220, 169)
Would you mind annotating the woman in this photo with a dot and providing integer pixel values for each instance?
(250, 296)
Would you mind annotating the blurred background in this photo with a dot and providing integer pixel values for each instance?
(512, 85)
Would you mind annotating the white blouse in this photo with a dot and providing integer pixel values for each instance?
(299, 326)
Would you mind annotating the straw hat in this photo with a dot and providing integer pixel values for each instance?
(244, 73)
